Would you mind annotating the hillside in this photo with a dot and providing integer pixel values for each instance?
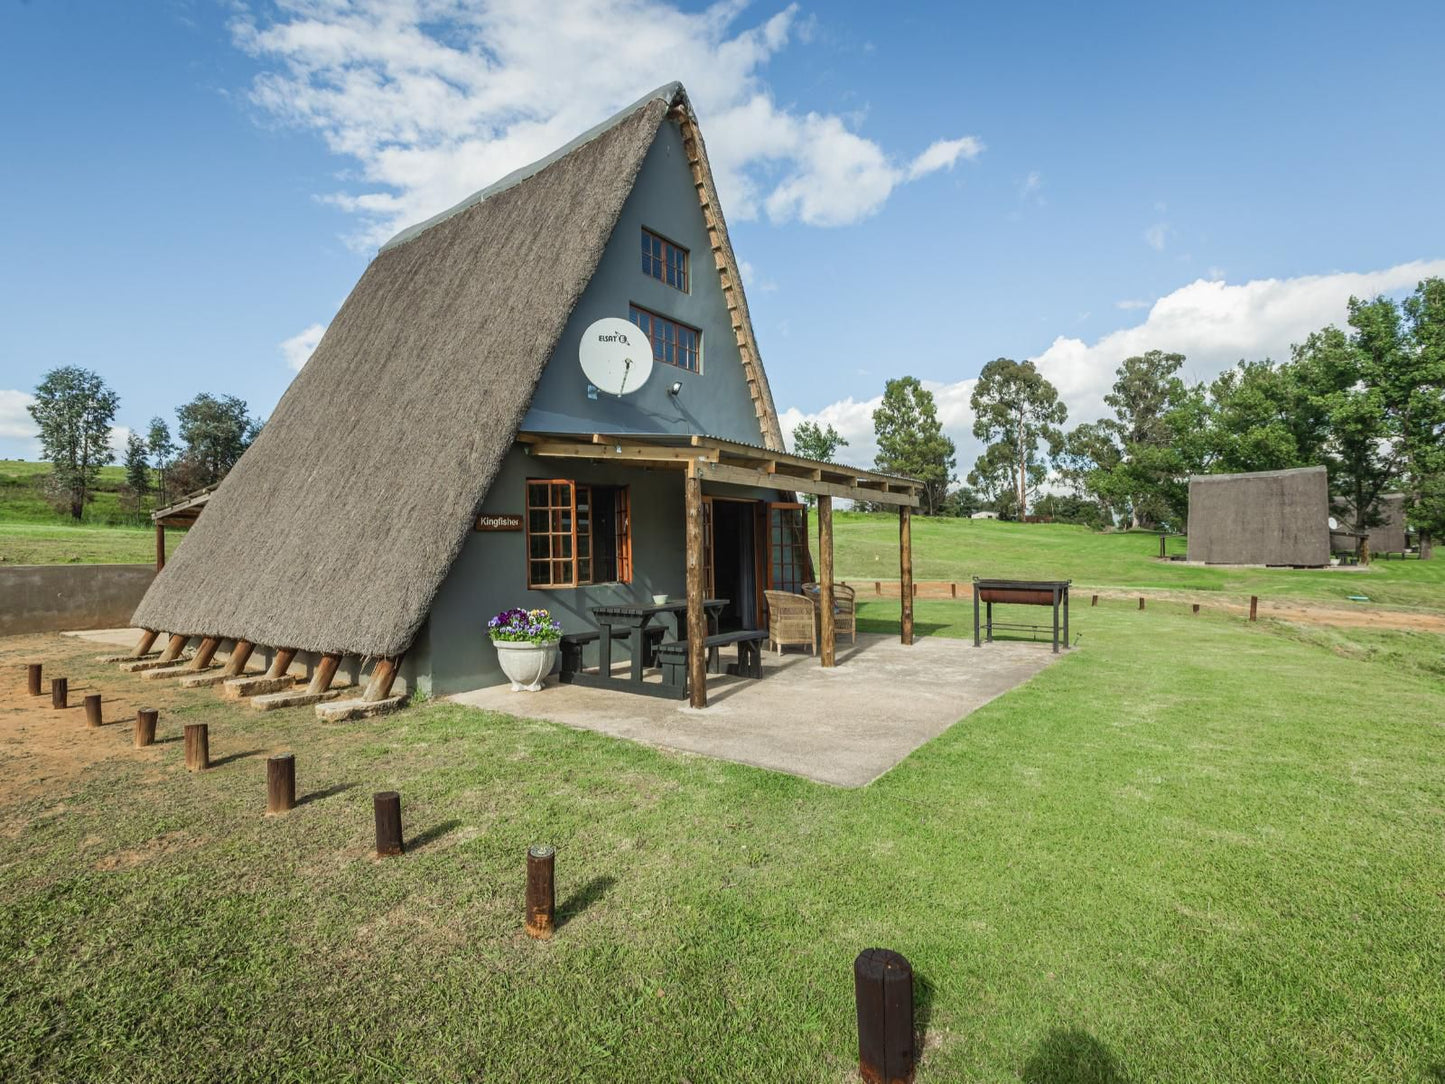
(32, 532)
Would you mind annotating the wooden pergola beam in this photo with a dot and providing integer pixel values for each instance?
(742, 476)
(826, 619)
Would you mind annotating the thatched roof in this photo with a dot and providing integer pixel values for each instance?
(339, 524)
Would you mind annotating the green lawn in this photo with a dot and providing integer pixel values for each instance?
(1194, 850)
(866, 549)
(33, 533)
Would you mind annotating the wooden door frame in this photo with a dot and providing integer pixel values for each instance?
(761, 565)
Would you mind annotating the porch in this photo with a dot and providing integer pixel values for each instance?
(843, 725)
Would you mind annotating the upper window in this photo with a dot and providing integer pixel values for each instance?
(677, 344)
(664, 261)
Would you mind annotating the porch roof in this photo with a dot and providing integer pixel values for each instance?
(713, 459)
(184, 512)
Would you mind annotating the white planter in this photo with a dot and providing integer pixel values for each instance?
(525, 664)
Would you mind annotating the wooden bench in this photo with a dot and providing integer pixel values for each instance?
(672, 656)
(572, 644)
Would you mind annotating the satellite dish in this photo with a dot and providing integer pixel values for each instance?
(1334, 524)
(616, 355)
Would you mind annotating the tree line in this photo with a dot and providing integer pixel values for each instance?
(1366, 401)
(75, 411)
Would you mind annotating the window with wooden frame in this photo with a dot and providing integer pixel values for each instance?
(577, 533)
(787, 547)
(663, 260)
(673, 343)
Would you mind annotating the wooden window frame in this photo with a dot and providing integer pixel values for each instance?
(673, 258)
(652, 321)
(622, 526)
(803, 561)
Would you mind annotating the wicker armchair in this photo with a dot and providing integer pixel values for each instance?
(790, 621)
(845, 608)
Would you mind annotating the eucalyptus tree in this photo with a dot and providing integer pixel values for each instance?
(1015, 409)
(74, 409)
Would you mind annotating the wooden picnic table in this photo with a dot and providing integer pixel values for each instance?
(636, 618)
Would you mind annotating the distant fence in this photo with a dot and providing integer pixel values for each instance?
(48, 598)
(921, 588)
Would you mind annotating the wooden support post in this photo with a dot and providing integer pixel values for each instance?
(147, 641)
(1254, 607)
(32, 677)
(826, 620)
(280, 783)
(952, 590)
(281, 662)
(240, 656)
(198, 747)
(1141, 602)
(205, 653)
(905, 572)
(383, 673)
(174, 647)
(1196, 607)
(883, 991)
(1162, 552)
(160, 546)
(325, 671)
(387, 807)
(696, 618)
(541, 895)
(1095, 601)
(145, 727)
(92, 710)
(59, 689)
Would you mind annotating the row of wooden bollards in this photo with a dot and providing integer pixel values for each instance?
(1194, 607)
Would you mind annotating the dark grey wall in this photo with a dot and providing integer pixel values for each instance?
(48, 598)
(715, 402)
(1264, 518)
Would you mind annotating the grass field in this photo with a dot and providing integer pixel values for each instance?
(866, 549)
(1194, 850)
(33, 533)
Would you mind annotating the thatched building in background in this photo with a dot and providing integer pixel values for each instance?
(1277, 517)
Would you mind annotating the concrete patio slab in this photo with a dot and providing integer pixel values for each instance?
(845, 726)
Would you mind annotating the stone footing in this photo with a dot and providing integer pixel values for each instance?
(299, 698)
(179, 670)
(241, 687)
(129, 658)
(342, 710)
(152, 664)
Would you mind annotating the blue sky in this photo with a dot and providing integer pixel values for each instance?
(914, 189)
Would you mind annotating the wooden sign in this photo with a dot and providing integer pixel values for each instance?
(499, 521)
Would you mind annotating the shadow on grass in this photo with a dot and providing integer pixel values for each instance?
(432, 834)
(1073, 1056)
(329, 792)
(583, 898)
(227, 759)
(923, 994)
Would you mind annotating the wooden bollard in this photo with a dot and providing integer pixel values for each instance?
(1162, 553)
(883, 989)
(198, 747)
(281, 783)
(387, 804)
(92, 710)
(1196, 607)
(1094, 601)
(58, 692)
(145, 727)
(1254, 607)
(32, 677)
(541, 898)
(1141, 602)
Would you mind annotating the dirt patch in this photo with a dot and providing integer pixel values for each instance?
(163, 844)
(43, 750)
(1302, 613)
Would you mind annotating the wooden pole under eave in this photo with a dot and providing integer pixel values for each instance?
(281, 662)
(174, 647)
(383, 673)
(696, 619)
(825, 580)
(325, 671)
(160, 546)
(205, 653)
(240, 655)
(905, 570)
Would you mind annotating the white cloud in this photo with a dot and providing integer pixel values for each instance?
(298, 349)
(15, 421)
(1131, 303)
(1157, 236)
(435, 100)
(119, 434)
(1213, 323)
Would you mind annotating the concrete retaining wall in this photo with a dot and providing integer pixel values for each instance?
(47, 598)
